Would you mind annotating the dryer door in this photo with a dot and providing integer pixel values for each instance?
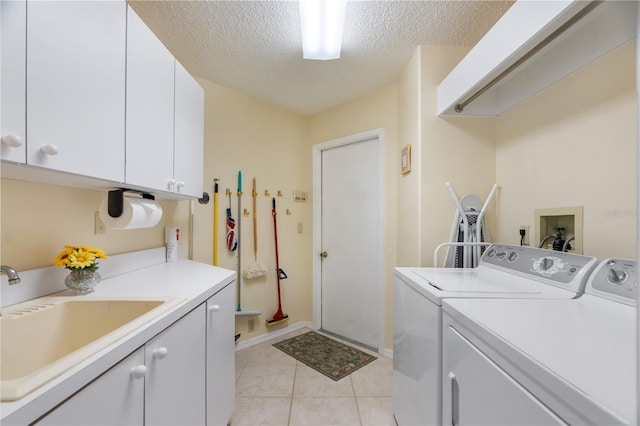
(478, 392)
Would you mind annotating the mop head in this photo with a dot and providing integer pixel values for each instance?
(274, 321)
(254, 271)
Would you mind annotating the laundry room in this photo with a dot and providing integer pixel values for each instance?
(571, 145)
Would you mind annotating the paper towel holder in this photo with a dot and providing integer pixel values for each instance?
(115, 201)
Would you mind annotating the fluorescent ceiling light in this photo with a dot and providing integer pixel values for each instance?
(322, 24)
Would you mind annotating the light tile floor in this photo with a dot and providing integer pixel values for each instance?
(272, 388)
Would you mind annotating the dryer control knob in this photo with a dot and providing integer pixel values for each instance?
(617, 276)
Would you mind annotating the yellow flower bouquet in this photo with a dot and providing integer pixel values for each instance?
(79, 258)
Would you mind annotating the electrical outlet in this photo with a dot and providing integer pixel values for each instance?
(525, 239)
(252, 324)
(99, 226)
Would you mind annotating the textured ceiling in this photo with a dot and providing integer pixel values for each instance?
(255, 47)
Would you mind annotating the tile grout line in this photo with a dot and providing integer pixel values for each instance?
(293, 387)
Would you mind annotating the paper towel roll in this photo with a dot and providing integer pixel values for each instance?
(137, 213)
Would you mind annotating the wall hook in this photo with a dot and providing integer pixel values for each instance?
(279, 193)
(288, 212)
(245, 213)
(267, 193)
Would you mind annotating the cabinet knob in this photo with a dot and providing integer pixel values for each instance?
(14, 141)
(180, 184)
(160, 353)
(139, 371)
(171, 183)
(214, 308)
(49, 149)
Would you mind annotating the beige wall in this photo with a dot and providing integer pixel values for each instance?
(460, 150)
(38, 220)
(268, 143)
(376, 110)
(574, 144)
(408, 189)
(585, 125)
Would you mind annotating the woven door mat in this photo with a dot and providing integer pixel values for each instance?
(327, 356)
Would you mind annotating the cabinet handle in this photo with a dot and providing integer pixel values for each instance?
(14, 141)
(139, 371)
(180, 184)
(160, 353)
(49, 149)
(455, 402)
(214, 308)
(171, 183)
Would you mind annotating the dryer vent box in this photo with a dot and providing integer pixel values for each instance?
(569, 218)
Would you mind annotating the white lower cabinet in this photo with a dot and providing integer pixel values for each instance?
(476, 391)
(175, 380)
(185, 375)
(221, 361)
(115, 398)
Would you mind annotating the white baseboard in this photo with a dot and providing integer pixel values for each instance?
(270, 335)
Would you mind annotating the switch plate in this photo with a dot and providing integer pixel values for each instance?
(99, 226)
(300, 196)
(251, 324)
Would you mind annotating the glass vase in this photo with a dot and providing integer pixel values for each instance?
(82, 281)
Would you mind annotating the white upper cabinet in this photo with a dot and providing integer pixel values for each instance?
(189, 134)
(76, 87)
(534, 44)
(150, 108)
(90, 91)
(13, 45)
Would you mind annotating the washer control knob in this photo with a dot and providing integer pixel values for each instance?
(501, 255)
(546, 263)
(617, 276)
(513, 256)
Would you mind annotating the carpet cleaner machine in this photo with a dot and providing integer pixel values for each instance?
(469, 233)
(278, 317)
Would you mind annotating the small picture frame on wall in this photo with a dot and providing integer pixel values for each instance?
(405, 159)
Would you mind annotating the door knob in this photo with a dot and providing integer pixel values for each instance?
(324, 254)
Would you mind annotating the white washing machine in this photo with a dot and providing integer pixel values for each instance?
(517, 362)
(504, 271)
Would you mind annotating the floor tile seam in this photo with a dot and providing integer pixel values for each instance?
(293, 386)
(358, 409)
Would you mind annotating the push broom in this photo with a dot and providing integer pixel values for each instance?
(278, 317)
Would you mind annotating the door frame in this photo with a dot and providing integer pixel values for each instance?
(317, 223)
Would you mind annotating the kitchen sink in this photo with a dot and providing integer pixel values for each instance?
(43, 338)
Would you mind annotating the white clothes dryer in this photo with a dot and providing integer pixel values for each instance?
(517, 362)
(504, 271)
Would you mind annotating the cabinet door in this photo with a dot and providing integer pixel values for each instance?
(221, 356)
(150, 105)
(478, 392)
(76, 86)
(189, 134)
(175, 380)
(115, 398)
(13, 59)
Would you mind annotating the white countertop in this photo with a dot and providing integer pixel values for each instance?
(192, 281)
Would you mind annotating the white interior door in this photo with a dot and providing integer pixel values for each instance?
(351, 239)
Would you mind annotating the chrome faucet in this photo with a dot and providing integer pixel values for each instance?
(11, 273)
